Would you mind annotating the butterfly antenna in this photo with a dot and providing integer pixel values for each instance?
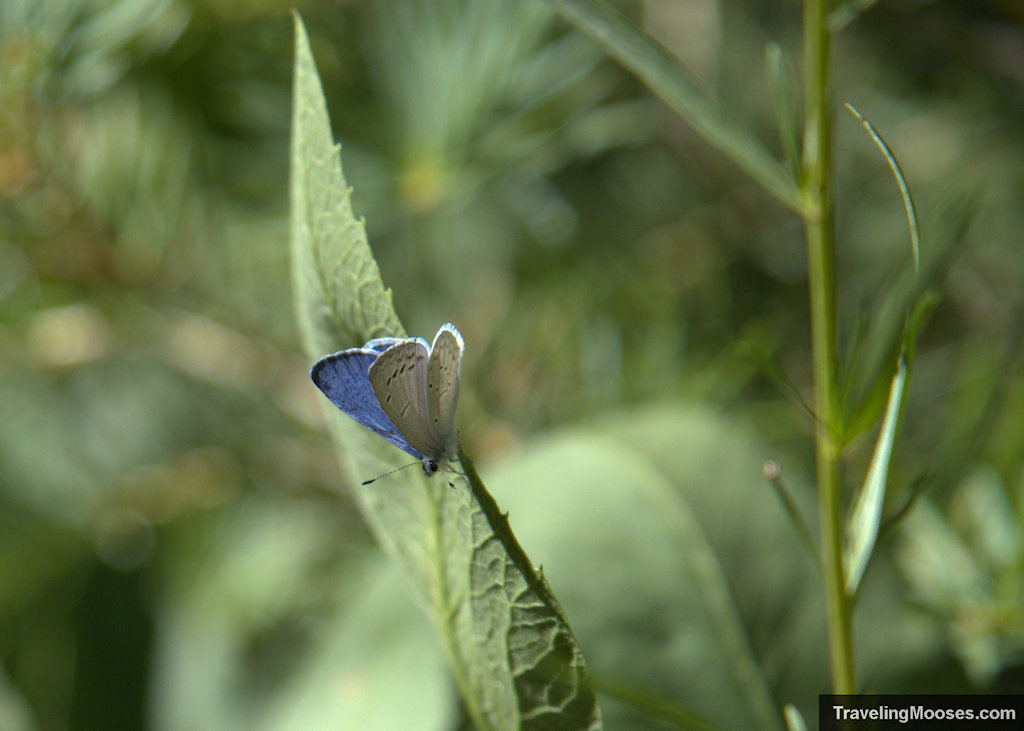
(413, 464)
(390, 472)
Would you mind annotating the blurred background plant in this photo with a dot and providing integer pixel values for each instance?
(177, 548)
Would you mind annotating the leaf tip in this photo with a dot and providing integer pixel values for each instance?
(300, 27)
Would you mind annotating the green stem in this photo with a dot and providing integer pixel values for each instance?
(819, 223)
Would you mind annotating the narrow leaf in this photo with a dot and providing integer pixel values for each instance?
(920, 313)
(917, 489)
(908, 202)
(663, 709)
(868, 340)
(671, 80)
(848, 12)
(785, 100)
(513, 655)
(794, 719)
(780, 379)
(773, 473)
(862, 530)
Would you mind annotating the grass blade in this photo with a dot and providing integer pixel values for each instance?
(661, 708)
(908, 202)
(848, 12)
(785, 99)
(773, 473)
(671, 80)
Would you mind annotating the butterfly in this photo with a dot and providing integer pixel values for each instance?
(401, 388)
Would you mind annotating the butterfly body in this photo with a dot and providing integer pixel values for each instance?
(402, 389)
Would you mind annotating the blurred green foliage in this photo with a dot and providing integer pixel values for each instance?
(177, 548)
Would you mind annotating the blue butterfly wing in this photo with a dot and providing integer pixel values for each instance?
(344, 379)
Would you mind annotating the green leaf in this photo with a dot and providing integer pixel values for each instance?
(908, 202)
(867, 413)
(671, 80)
(920, 314)
(794, 719)
(862, 529)
(15, 713)
(917, 489)
(637, 571)
(847, 12)
(875, 344)
(666, 710)
(785, 98)
(373, 664)
(256, 570)
(511, 650)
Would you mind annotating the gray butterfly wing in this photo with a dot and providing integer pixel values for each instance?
(444, 366)
(399, 379)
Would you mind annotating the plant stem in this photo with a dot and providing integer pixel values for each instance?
(819, 223)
